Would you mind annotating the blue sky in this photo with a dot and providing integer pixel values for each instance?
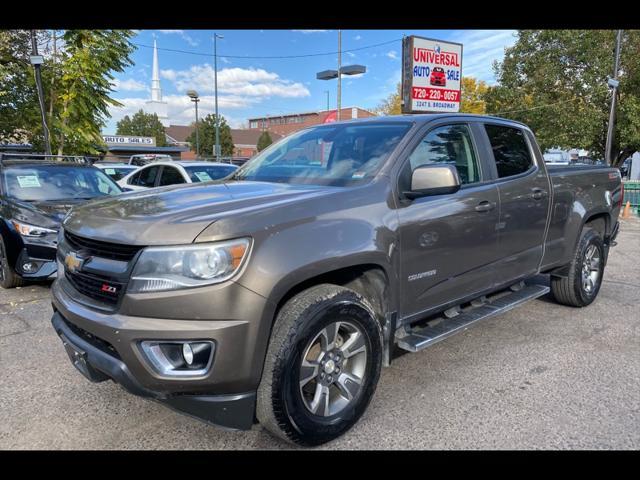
(249, 87)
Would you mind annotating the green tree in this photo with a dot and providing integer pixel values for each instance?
(473, 93)
(207, 132)
(555, 81)
(264, 141)
(143, 125)
(392, 105)
(82, 101)
(19, 109)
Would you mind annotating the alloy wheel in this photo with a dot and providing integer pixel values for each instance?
(332, 368)
(591, 269)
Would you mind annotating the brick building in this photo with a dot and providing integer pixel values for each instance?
(245, 142)
(287, 124)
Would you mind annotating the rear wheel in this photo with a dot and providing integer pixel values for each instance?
(580, 288)
(322, 365)
(8, 276)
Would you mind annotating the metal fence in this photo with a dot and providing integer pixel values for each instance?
(632, 195)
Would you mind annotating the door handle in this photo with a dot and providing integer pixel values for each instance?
(538, 194)
(485, 206)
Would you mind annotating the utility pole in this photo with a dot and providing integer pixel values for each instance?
(613, 83)
(36, 61)
(215, 79)
(339, 73)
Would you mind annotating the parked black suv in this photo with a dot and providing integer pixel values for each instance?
(36, 192)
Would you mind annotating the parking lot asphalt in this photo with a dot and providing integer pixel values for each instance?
(541, 376)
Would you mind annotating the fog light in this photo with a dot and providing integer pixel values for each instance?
(187, 353)
(30, 267)
(179, 358)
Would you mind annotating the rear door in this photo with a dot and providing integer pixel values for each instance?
(524, 190)
(448, 243)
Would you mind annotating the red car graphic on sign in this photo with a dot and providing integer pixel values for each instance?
(438, 77)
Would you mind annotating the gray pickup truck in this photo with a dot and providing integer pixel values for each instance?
(278, 293)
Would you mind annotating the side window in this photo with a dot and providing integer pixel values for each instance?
(171, 176)
(134, 179)
(148, 177)
(510, 150)
(450, 145)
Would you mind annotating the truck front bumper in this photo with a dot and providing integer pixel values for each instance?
(111, 345)
(97, 363)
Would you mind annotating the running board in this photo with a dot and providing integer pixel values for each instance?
(418, 339)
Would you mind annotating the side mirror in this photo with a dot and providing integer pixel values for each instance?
(433, 180)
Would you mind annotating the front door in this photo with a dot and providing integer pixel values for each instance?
(448, 242)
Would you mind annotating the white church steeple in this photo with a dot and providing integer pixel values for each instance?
(156, 105)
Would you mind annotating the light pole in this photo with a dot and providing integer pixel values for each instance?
(346, 70)
(195, 99)
(327, 92)
(36, 61)
(613, 83)
(215, 80)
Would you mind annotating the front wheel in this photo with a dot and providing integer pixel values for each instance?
(322, 365)
(581, 286)
(8, 276)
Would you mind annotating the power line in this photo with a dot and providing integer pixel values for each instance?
(252, 57)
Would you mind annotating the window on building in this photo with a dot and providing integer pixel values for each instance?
(510, 150)
(253, 124)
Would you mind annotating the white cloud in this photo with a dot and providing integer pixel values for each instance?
(350, 54)
(129, 85)
(357, 37)
(392, 55)
(225, 60)
(310, 31)
(252, 82)
(237, 88)
(183, 35)
(180, 108)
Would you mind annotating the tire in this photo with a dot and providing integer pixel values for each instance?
(289, 410)
(8, 276)
(571, 290)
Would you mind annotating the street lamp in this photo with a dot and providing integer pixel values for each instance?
(193, 95)
(346, 70)
(215, 80)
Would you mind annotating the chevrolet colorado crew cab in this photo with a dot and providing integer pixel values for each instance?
(276, 294)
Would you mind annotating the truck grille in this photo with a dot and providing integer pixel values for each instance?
(97, 288)
(95, 248)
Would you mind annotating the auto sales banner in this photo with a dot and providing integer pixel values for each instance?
(431, 75)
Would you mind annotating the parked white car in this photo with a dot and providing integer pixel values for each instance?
(159, 174)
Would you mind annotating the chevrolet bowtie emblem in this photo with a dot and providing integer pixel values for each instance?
(73, 262)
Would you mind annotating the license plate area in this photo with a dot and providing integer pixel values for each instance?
(78, 358)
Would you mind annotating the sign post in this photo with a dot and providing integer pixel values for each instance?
(431, 75)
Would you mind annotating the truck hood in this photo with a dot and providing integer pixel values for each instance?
(177, 214)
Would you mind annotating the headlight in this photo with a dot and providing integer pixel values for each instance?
(172, 268)
(27, 230)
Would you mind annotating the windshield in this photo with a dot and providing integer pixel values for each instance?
(204, 173)
(336, 155)
(33, 183)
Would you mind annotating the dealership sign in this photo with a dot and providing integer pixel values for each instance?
(431, 75)
(128, 141)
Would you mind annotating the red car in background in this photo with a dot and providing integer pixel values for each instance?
(438, 78)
